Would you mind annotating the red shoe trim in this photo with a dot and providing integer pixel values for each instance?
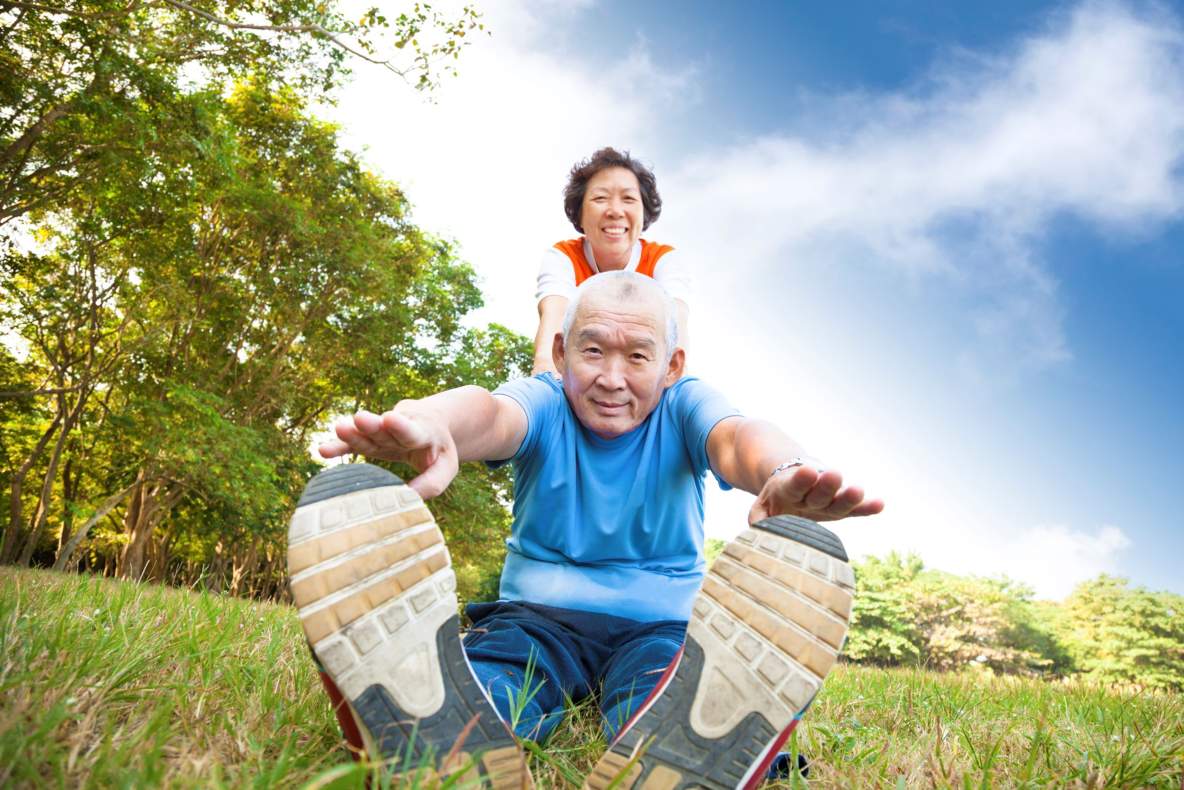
(344, 718)
(760, 773)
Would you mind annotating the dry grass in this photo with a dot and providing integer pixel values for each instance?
(912, 728)
(113, 684)
(105, 684)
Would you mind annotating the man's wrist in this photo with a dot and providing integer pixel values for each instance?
(794, 463)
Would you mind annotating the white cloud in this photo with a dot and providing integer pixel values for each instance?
(1055, 558)
(960, 178)
(1051, 558)
(949, 185)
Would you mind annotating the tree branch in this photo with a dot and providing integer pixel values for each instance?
(36, 393)
(316, 30)
(108, 505)
(49, 9)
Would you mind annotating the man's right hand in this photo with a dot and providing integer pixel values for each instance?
(408, 433)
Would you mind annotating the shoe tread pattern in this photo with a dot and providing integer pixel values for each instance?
(400, 735)
(778, 610)
(344, 479)
(359, 560)
(673, 755)
(811, 533)
(373, 581)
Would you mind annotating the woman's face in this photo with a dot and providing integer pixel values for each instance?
(612, 215)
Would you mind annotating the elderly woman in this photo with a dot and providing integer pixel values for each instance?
(610, 199)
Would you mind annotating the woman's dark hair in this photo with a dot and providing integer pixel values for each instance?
(582, 172)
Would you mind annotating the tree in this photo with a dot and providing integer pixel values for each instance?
(905, 613)
(85, 86)
(60, 304)
(976, 621)
(1116, 634)
(257, 280)
(883, 624)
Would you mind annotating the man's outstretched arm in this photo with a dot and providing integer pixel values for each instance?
(434, 434)
(745, 452)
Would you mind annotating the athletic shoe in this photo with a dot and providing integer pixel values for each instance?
(374, 585)
(765, 628)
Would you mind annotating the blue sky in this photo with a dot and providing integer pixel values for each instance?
(942, 246)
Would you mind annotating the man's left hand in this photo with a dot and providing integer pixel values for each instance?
(811, 494)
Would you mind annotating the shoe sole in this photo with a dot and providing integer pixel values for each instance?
(373, 582)
(765, 629)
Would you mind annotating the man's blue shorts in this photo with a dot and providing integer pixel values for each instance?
(570, 654)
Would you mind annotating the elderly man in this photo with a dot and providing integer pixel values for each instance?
(603, 572)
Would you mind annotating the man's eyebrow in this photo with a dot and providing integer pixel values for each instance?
(589, 334)
(596, 336)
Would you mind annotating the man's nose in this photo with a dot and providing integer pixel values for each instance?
(612, 373)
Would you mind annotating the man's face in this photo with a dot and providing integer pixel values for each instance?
(615, 368)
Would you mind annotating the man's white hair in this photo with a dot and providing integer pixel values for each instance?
(624, 286)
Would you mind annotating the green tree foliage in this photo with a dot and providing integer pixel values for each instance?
(1119, 634)
(90, 85)
(712, 548)
(967, 621)
(883, 626)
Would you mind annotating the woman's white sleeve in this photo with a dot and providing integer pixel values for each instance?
(674, 275)
(556, 276)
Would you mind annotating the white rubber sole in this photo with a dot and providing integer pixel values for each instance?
(376, 594)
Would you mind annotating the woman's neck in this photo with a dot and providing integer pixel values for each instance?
(610, 261)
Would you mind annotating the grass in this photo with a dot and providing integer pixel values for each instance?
(112, 684)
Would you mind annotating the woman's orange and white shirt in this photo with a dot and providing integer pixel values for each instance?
(569, 263)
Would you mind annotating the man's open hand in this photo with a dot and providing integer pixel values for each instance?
(407, 433)
(815, 495)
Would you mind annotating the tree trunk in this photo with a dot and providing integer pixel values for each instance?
(261, 589)
(148, 505)
(41, 514)
(244, 569)
(134, 559)
(158, 557)
(67, 553)
(12, 535)
(133, 553)
(70, 482)
(218, 567)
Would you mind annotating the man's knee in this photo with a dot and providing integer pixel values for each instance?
(518, 700)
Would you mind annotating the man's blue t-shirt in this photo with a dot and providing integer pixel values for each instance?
(610, 525)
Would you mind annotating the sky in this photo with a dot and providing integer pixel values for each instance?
(941, 245)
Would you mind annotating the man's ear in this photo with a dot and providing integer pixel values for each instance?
(557, 352)
(678, 361)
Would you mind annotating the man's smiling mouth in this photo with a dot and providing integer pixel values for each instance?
(609, 406)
